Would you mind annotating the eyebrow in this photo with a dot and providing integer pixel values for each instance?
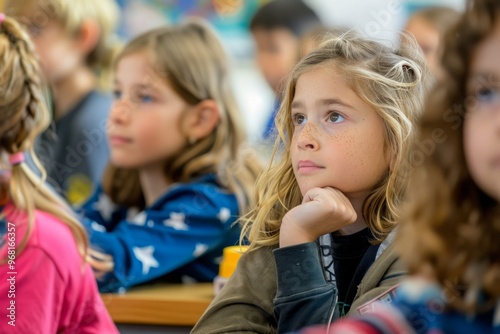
(138, 86)
(484, 77)
(144, 87)
(322, 102)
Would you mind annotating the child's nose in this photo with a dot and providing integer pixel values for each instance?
(308, 138)
(120, 112)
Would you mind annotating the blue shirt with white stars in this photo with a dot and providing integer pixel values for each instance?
(179, 238)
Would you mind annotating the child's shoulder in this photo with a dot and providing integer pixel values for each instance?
(204, 195)
(54, 237)
(50, 241)
(206, 187)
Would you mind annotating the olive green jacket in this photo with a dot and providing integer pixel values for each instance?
(251, 303)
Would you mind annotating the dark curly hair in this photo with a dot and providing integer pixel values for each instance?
(451, 227)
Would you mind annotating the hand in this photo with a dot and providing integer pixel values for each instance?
(323, 210)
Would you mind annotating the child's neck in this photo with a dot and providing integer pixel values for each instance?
(360, 223)
(71, 90)
(154, 183)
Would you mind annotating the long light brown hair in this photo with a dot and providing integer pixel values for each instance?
(191, 58)
(393, 81)
(23, 116)
(451, 228)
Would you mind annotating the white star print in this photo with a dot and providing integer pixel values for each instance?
(200, 249)
(176, 221)
(104, 206)
(98, 227)
(145, 255)
(224, 215)
(132, 212)
(139, 219)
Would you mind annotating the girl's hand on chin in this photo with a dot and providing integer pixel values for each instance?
(323, 210)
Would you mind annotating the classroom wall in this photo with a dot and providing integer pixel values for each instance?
(378, 19)
(374, 18)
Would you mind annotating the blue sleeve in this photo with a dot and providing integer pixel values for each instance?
(303, 296)
(100, 213)
(192, 222)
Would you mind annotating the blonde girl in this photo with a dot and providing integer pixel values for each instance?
(179, 174)
(47, 286)
(450, 230)
(326, 208)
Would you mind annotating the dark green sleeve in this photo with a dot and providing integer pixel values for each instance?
(245, 304)
(303, 297)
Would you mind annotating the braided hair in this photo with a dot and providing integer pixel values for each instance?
(23, 116)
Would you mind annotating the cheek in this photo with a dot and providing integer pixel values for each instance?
(149, 132)
(365, 162)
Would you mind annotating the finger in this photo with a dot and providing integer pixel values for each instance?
(312, 194)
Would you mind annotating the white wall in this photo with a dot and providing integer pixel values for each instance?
(380, 19)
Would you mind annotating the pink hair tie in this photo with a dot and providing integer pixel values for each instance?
(2, 17)
(16, 158)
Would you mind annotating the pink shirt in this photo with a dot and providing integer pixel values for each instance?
(50, 290)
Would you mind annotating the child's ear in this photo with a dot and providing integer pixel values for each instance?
(88, 36)
(202, 120)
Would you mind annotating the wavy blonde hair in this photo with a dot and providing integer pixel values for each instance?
(23, 116)
(71, 14)
(394, 83)
(192, 60)
(451, 227)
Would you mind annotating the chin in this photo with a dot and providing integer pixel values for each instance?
(123, 163)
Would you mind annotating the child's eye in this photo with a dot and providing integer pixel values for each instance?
(335, 117)
(117, 94)
(298, 119)
(145, 98)
(486, 94)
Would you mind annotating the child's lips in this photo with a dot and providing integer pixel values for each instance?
(307, 166)
(119, 140)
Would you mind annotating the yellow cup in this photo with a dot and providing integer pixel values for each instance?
(230, 257)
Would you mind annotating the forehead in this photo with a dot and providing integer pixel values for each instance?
(139, 68)
(278, 35)
(485, 57)
(325, 75)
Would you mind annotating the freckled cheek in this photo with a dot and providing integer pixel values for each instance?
(372, 160)
(362, 159)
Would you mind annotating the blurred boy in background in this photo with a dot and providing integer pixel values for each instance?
(277, 28)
